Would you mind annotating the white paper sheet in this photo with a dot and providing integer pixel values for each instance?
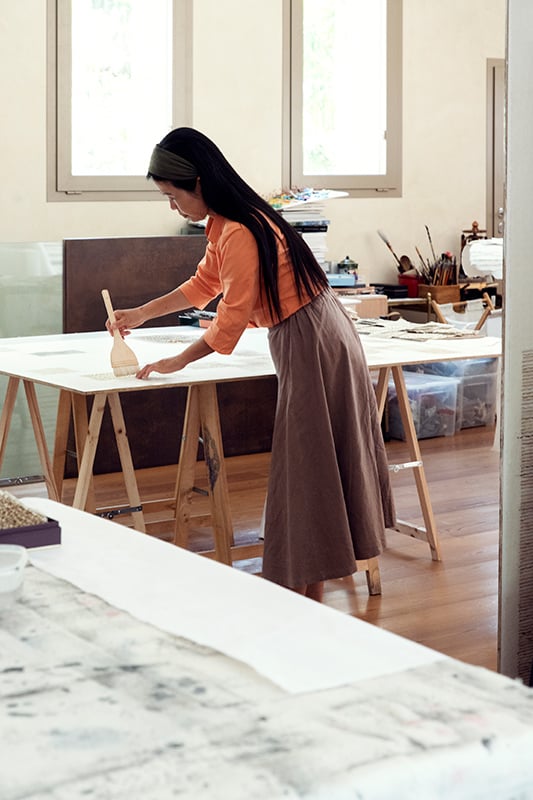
(295, 642)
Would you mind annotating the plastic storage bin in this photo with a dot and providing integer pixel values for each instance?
(476, 400)
(433, 401)
(477, 391)
(458, 369)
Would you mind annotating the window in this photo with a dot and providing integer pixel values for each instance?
(119, 77)
(342, 110)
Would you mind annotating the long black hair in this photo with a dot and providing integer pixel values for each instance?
(227, 194)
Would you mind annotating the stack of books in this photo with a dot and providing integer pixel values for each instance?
(306, 212)
(313, 228)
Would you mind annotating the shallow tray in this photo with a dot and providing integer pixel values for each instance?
(41, 535)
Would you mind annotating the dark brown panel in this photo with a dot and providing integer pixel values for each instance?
(134, 269)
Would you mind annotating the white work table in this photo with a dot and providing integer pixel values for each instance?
(78, 366)
(134, 669)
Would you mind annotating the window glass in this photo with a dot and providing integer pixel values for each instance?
(344, 114)
(119, 77)
(121, 90)
(344, 117)
(31, 304)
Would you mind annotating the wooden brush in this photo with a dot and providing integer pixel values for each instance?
(123, 359)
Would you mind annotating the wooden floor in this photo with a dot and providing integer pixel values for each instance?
(450, 606)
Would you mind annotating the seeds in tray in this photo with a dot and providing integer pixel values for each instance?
(14, 514)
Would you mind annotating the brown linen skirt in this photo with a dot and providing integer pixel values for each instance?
(329, 498)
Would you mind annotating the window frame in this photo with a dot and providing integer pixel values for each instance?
(389, 184)
(62, 186)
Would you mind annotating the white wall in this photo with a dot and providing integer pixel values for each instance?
(237, 101)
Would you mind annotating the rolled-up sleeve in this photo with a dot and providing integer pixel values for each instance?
(205, 284)
(230, 267)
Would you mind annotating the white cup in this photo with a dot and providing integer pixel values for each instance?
(13, 559)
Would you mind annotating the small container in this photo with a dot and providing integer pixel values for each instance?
(347, 265)
(13, 559)
(441, 294)
(412, 282)
(44, 534)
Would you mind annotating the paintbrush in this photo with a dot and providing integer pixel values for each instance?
(123, 359)
(426, 269)
(431, 244)
(384, 238)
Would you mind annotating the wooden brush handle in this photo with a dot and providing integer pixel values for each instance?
(108, 306)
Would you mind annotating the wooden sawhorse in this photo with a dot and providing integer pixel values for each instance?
(86, 433)
(202, 422)
(429, 532)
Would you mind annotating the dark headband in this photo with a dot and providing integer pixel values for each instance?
(167, 165)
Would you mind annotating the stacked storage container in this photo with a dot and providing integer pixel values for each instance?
(433, 401)
(477, 391)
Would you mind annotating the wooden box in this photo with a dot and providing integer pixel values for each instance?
(366, 305)
(441, 294)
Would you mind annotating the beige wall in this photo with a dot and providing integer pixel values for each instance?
(237, 101)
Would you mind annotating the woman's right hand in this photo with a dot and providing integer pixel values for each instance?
(125, 319)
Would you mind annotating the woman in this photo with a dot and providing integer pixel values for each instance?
(329, 498)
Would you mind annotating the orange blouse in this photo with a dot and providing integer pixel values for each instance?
(230, 267)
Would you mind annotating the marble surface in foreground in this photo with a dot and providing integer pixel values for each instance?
(97, 704)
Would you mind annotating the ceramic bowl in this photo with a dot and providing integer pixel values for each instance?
(13, 559)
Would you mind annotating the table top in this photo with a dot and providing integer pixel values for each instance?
(99, 703)
(80, 362)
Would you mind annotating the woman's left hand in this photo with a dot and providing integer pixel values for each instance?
(164, 366)
(193, 352)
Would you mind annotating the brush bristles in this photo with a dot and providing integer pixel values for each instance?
(126, 369)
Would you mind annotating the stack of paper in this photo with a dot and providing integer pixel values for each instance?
(309, 219)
